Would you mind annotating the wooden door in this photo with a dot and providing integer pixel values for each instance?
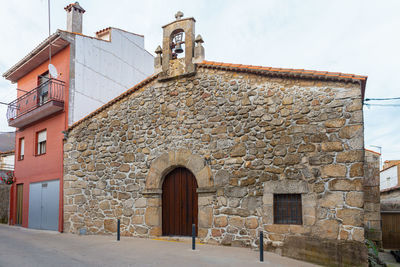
(20, 193)
(391, 230)
(179, 203)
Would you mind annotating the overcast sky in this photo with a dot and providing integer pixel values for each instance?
(360, 37)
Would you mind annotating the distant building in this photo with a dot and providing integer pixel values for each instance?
(7, 142)
(390, 174)
(7, 160)
(91, 72)
(372, 211)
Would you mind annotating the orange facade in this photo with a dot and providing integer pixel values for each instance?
(48, 166)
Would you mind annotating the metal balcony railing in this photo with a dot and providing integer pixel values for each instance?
(51, 90)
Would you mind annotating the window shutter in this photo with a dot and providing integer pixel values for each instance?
(42, 136)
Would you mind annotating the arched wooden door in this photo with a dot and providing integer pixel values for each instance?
(179, 203)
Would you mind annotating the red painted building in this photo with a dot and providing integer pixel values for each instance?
(46, 106)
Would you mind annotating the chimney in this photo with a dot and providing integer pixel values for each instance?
(74, 17)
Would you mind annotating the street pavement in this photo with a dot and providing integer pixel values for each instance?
(27, 247)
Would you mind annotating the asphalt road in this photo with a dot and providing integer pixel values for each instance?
(27, 247)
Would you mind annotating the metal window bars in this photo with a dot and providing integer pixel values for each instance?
(287, 209)
(50, 90)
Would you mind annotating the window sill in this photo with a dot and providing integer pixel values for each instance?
(38, 155)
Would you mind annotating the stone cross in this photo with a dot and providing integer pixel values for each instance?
(179, 15)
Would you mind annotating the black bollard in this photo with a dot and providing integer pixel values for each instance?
(193, 236)
(261, 246)
(118, 230)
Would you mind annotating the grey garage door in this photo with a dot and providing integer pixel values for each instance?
(43, 205)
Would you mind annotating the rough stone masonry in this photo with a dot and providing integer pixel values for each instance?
(246, 134)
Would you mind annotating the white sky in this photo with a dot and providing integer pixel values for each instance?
(360, 37)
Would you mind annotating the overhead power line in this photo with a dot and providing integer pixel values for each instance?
(382, 99)
(383, 105)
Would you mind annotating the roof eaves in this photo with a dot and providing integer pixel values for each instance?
(7, 152)
(36, 50)
(394, 165)
(390, 189)
(324, 75)
(369, 150)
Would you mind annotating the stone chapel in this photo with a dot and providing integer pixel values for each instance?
(234, 149)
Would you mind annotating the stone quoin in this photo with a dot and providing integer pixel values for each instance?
(250, 136)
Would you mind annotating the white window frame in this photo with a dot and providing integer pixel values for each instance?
(21, 148)
(41, 142)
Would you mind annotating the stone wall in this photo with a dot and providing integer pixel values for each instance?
(4, 202)
(245, 137)
(372, 211)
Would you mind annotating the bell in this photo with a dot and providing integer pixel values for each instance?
(178, 48)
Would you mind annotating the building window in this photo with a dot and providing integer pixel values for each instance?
(41, 142)
(287, 209)
(21, 148)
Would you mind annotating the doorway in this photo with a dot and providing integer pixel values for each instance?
(43, 205)
(20, 195)
(179, 203)
(391, 230)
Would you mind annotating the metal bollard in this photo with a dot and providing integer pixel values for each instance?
(193, 236)
(118, 230)
(261, 246)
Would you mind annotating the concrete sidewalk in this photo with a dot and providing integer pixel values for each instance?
(27, 247)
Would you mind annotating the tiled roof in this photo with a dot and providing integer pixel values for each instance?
(372, 151)
(111, 102)
(103, 30)
(283, 71)
(293, 73)
(394, 165)
(109, 28)
(76, 6)
(7, 152)
(390, 189)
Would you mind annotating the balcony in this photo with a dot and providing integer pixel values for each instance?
(43, 101)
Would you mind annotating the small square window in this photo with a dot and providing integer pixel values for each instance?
(41, 142)
(287, 209)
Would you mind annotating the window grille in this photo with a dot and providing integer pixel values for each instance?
(287, 209)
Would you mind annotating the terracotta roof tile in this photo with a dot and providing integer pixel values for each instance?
(311, 74)
(394, 165)
(76, 6)
(372, 151)
(283, 70)
(103, 30)
(7, 152)
(390, 188)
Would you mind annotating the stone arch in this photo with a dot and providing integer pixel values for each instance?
(166, 162)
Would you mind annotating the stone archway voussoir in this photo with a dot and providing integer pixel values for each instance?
(181, 157)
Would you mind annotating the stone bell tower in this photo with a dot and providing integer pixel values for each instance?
(178, 40)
